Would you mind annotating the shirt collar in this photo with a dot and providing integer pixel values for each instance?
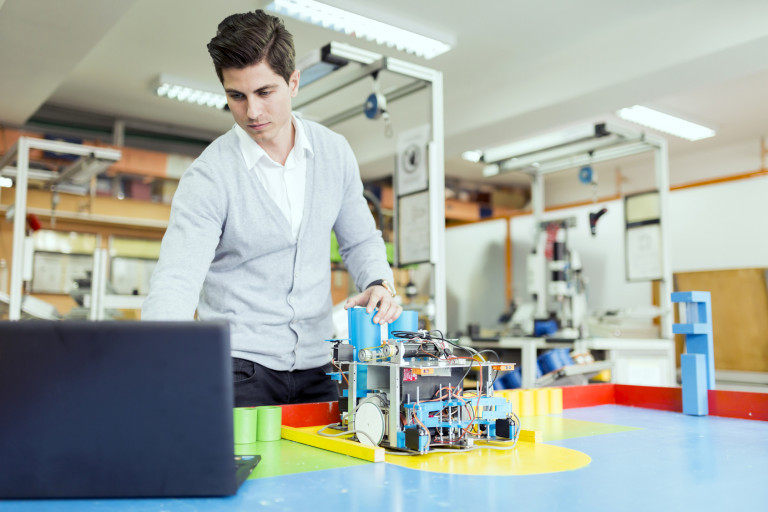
(252, 152)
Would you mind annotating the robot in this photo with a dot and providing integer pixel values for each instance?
(405, 392)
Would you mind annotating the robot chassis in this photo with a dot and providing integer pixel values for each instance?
(410, 398)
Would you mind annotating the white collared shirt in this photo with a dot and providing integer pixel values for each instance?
(285, 184)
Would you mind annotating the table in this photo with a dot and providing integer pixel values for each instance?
(649, 362)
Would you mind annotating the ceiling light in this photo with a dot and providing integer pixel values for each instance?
(665, 123)
(184, 90)
(474, 155)
(323, 61)
(340, 20)
(6, 182)
(535, 154)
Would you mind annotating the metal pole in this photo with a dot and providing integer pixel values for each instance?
(19, 228)
(437, 202)
(537, 205)
(662, 183)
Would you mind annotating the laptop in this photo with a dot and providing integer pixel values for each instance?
(117, 409)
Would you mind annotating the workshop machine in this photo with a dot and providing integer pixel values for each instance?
(558, 304)
(406, 392)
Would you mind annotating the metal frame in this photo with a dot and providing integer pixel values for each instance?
(22, 148)
(423, 77)
(616, 142)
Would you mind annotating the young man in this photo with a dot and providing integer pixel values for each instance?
(249, 236)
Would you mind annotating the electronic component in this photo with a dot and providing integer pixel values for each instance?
(406, 393)
(343, 351)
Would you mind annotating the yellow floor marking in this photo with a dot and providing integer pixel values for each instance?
(530, 436)
(525, 459)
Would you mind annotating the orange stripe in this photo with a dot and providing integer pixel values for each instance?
(724, 179)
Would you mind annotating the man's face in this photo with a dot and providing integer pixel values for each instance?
(260, 102)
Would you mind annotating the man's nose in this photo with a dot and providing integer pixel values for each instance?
(254, 108)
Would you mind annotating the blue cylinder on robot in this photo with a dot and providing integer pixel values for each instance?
(407, 321)
(363, 333)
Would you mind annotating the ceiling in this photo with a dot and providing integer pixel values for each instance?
(518, 67)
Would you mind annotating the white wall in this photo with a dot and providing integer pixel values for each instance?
(711, 227)
(722, 226)
(475, 274)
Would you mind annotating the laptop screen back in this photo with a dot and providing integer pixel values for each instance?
(115, 409)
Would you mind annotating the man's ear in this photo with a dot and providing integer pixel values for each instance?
(293, 83)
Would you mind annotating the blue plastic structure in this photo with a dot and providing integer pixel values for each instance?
(698, 362)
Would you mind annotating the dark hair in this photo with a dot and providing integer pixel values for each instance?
(250, 38)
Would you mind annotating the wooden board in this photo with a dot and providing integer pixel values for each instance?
(739, 316)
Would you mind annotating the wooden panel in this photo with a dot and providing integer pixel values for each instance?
(107, 206)
(461, 210)
(140, 161)
(739, 316)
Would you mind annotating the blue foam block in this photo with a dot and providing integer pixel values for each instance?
(694, 372)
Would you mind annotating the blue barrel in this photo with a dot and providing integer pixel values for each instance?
(510, 380)
(550, 361)
(544, 327)
(407, 321)
(565, 357)
(363, 333)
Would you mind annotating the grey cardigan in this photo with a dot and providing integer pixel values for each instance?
(228, 252)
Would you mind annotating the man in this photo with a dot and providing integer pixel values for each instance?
(249, 236)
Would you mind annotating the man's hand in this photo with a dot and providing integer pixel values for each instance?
(377, 296)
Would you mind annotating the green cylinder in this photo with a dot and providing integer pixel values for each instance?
(269, 424)
(246, 425)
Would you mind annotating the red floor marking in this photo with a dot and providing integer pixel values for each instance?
(308, 415)
(665, 399)
(738, 404)
(588, 396)
(731, 404)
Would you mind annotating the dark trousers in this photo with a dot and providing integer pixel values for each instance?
(259, 385)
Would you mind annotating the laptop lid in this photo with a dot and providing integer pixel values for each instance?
(116, 409)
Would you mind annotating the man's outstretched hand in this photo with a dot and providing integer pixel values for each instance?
(377, 296)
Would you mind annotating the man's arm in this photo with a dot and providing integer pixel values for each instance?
(188, 247)
(362, 248)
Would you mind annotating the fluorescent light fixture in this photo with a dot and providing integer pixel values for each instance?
(665, 123)
(323, 61)
(184, 90)
(539, 143)
(559, 150)
(473, 155)
(333, 18)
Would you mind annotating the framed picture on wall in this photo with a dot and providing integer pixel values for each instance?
(642, 236)
(413, 237)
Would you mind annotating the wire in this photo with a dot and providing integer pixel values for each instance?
(498, 360)
(346, 432)
(338, 367)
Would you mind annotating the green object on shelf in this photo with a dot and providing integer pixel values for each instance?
(245, 419)
(335, 254)
(269, 423)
